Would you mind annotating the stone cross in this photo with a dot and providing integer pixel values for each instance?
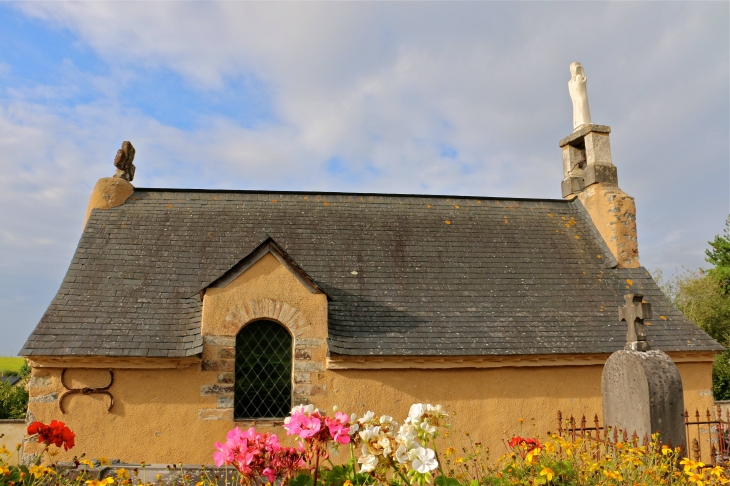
(634, 311)
(123, 162)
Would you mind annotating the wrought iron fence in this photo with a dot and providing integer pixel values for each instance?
(708, 437)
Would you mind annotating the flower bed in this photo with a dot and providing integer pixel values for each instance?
(347, 450)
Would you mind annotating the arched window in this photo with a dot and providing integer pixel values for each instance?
(263, 385)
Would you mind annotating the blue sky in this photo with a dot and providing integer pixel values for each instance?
(441, 98)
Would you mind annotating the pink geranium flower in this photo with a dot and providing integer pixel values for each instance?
(338, 427)
(303, 425)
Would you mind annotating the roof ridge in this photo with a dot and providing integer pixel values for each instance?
(339, 193)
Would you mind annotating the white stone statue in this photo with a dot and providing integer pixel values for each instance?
(579, 95)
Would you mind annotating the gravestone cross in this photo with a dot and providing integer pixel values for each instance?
(634, 311)
(641, 388)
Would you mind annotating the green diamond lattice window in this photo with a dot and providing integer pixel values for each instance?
(263, 383)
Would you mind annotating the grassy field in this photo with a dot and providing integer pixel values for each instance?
(10, 364)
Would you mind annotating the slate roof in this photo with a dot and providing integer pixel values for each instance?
(10, 379)
(406, 275)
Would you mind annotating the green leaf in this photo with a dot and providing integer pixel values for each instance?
(301, 480)
(446, 481)
(13, 477)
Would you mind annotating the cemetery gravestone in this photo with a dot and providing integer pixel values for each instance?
(641, 388)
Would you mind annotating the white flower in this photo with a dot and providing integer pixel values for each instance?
(335, 408)
(354, 428)
(385, 419)
(369, 433)
(416, 412)
(306, 409)
(384, 444)
(426, 427)
(367, 417)
(424, 460)
(438, 409)
(401, 454)
(353, 417)
(406, 434)
(368, 462)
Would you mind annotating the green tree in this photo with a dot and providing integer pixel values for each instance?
(699, 297)
(719, 256)
(13, 401)
(704, 297)
(24, 369)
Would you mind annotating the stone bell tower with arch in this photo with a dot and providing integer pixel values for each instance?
(590, 176)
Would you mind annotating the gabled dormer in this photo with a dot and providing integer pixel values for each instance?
(264, 313)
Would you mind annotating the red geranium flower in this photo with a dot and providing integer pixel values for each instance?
(528, 444)
(55, 433)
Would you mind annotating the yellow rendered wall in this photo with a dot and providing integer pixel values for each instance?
(154, 418)
(176, 415)
(156, 413)
(12, 432)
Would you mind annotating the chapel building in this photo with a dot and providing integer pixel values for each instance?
(187, 312)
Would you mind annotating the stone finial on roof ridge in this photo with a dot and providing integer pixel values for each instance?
(123, 162)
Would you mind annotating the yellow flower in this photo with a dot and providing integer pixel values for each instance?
(450, 451)
(103, 482)
(548, 473)
(122, 473)
(103, 461)
(666, 450)
(689, 464)
(717, 471)
(38, 471)
(613, 474)
(159, 477)
(530, 457)
(4, 451)
(459, 460)
(4, 471)
(695, 478)
(347, 483)
(86, 462)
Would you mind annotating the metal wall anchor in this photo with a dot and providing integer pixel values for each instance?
(86, 391)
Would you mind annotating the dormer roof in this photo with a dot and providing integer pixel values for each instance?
(269, 246)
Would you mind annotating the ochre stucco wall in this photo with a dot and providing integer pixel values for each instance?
(156, 413)
(614, 214)
(176, 415)
(12, 432)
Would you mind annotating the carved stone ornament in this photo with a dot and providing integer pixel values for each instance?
(579, 95)
(123, 162)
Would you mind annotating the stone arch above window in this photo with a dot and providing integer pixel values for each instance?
(276, 310)
(263, 371)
